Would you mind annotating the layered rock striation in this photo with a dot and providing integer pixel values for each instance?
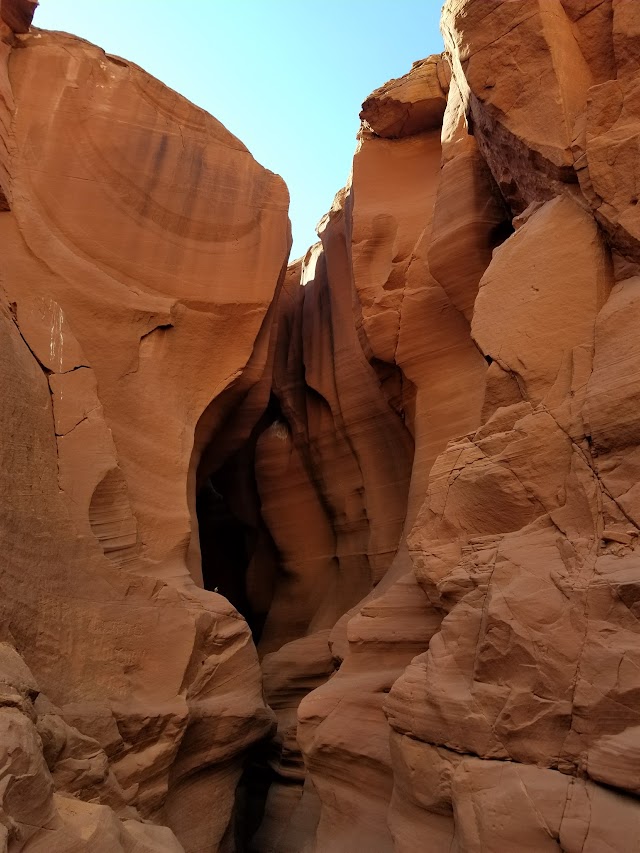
(142, 249)
(340, 555)
(484, 696)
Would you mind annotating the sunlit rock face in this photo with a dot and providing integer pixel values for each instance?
(142, 248)
(485, 691)
(340, 556)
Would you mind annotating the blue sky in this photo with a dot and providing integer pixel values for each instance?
(285, 76)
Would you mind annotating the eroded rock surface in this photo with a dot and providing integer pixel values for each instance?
(490, 267)
(410, 460)
(142, 248)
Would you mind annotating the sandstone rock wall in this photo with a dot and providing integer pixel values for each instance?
(486, 245)
(409, 459)
(142, 248)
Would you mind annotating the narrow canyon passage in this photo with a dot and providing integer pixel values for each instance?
(239, 558)
(340, 554)
(304, 518)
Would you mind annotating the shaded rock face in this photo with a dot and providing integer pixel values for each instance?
(340, 555)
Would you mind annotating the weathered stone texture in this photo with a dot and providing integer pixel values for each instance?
(410, 460)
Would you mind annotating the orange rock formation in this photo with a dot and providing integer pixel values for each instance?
(340, 556)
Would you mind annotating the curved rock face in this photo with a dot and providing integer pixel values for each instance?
(409, 459)
(142, 249)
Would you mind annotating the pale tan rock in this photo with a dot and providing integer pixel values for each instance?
(313, 461)
(421, 813)
(424, 432)
(605, 165)
(408, 322)
(408, 318)
(79, 766)
(593, 29)
(469, 221)
(150, 839)
(96, 720)
(610, 395)
(525, 82)
(540, 296)
(617, 536)
(626, 29)
(92, 827)
(33, 817)
(509, 806)
(115, 281)
(290, 674)
(342, 728)
(470, 218)
(15, 676)
(521, 525)
(412, 104)
(179, 293)
(27, 788)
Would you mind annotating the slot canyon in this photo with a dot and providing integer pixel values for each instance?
(341, 553)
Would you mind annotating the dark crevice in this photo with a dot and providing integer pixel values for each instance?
(241, 562)
(398, 391)
(239, 558)
(500, 232)
(252, 793)
(226, 542)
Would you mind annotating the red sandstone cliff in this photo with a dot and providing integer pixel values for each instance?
(409, 460)
(486, 247)
(142, 249)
